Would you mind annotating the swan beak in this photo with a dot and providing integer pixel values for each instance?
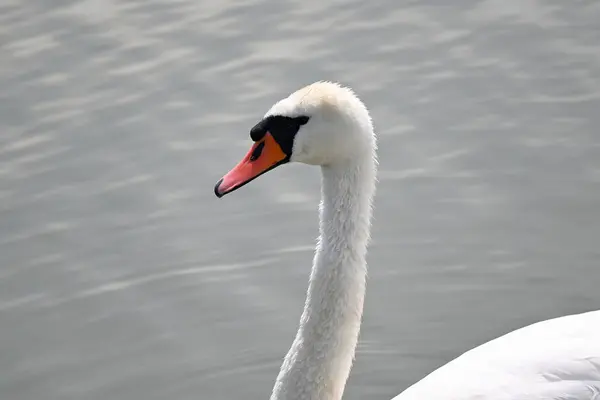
(263, 156)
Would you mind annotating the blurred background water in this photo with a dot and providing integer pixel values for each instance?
(122, 276)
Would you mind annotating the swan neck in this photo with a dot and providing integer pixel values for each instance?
(318, 364)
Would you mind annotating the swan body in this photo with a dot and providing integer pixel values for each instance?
(554, 359)
(326, 124)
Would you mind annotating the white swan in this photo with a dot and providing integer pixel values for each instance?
(326, 124)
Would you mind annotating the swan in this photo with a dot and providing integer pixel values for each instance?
(326, 124)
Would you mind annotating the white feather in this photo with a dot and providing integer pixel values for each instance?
(555, 359)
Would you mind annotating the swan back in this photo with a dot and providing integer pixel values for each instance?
(552, 359)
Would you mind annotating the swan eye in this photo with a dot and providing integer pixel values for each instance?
(283, 129)
(281, 125)
(302, 120)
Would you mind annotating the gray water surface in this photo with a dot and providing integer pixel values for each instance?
(122, 276)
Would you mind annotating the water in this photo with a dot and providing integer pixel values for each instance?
(123, 276)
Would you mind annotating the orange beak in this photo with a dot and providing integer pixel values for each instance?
(263, 156)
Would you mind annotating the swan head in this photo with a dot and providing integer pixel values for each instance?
(321, 124)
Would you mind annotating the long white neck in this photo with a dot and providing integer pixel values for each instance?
(318, 363)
